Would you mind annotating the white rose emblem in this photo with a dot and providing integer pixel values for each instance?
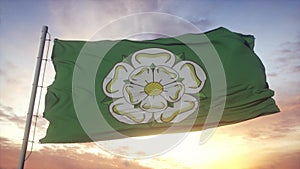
(153, 87)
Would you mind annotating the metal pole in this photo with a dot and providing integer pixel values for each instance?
(32, 97)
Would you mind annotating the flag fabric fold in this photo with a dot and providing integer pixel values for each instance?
(146, 87)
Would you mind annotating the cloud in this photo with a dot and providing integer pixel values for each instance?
(7, 114)
(279, 160)
(4, 141)
(63, 158)
(270, 137)
(5, 108)
(5, 74)
(2, 73)
(285, 71)
(296, 69)
(278, 126)
(197, 12)
(289, 54)
(93, 15)
(14, 83)
(269, 141)
(202, 22)
(69, 23)
(272, 74)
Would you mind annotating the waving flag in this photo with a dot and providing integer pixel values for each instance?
(145, 87)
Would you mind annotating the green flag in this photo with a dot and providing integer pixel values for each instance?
(116, 89)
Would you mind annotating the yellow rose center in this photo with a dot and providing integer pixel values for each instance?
(153, 89)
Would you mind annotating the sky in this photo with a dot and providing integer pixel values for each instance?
(266, 142)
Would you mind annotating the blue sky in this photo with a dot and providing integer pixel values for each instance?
(275, 25)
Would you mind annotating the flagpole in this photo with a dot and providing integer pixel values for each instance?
(32, 97)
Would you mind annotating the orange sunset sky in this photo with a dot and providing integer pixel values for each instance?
(271, 141)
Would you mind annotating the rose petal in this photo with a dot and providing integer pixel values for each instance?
(173, 92)
(156, 56)
(186, 106)
(165, 75)
(126, 112)
(154, 103)
(141, 76)
(113, 83)
(192, 74)
(134, 94)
